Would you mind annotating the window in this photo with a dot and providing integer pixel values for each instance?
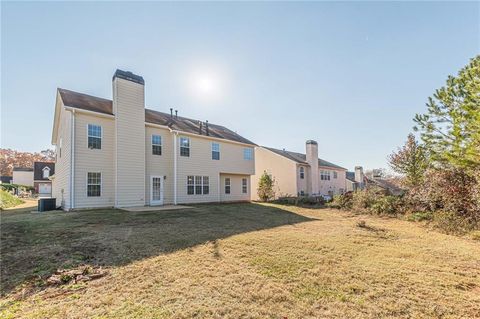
(227, 185)
(46, 172)
(325, 175)
(215, 151)
(302, 193)
(184, 146)
(94, 136)
(206, 185)
(244, 186)
(94, 184)
(156, 145)
(248, 154)
(190, 185)
(198, 185)
(335, 174)
(60, 148)
(302, 172)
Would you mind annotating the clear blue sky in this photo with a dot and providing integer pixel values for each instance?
(350, 75)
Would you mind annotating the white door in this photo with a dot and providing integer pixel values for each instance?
(156, 190)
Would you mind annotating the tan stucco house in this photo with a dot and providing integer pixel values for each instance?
(117, 153)
(298, 174)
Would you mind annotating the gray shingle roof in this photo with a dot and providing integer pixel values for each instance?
(183, 124)
(301, 158)
(350, 176)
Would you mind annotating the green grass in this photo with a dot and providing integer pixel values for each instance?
(231, 261)
(7, 200)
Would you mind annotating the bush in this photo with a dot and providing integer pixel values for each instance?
(453, 223)
(344, 201)
(420, 216)
(8, 200)
(390, 205)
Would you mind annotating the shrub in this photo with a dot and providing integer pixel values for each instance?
(420, 216)
(344, 201)
(8, 200)
(453, 223)
(388, 204)
(265, 189)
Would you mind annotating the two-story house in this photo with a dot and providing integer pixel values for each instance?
(117, 153)
(298, 174)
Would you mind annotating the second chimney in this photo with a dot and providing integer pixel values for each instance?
(312, 160)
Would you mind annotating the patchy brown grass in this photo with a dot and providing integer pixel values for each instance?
(231, 261)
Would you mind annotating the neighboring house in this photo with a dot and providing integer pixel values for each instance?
(6, 179)
(355, 180)
(388, 186)
(118, 153)
(23, 176)
(42, 171)
(298, 174)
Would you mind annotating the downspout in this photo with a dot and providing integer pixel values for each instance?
(175, 134)
(72, 161)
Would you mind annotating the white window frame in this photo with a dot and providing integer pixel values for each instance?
(45, 169)
(229, 185)
(101, 136)
(187, 147)
(204, 181)
(325, 175)
(101, 183)
(244, 186)
(155, 144)
(215, 151)
(335, 174)
(302, 172)
(248, 154)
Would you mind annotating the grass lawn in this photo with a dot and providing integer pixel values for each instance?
(235, 261)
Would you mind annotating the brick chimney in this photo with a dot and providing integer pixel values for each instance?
(312, 160)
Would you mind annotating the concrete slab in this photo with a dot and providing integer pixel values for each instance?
(155, 208)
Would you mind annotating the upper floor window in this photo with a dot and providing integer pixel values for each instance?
(302, 172)
(244, 186)
(198, 185)
(248, 154)
(60, 148)
(184, 146)
(325, 175)
(335, 174)
(227, 185)
(94, 136)
(156, 145)
(46, 172)
(215, 151)
(94, 184)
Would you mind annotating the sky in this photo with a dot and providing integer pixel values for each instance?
(350, 75)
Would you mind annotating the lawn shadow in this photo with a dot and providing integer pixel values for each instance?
(36, 245)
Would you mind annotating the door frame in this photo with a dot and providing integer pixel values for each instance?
(156, 202)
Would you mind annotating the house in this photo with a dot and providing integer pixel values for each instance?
(297, 173)
(355, 180)
(41, 177)
(117, 153)
(22, 176)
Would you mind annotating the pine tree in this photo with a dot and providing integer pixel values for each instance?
(451, 127)
(265, 189)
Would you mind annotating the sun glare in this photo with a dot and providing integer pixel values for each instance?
(207, 84)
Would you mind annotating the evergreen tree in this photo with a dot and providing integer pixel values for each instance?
(265, 189)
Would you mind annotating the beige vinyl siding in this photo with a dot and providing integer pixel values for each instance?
(333, 185)
(129, 110)
(235, 188)
(94, 160)
(23, 178)
(282, 169)
(200, 163)
(61, 181)
(303, 184)
(159, 165)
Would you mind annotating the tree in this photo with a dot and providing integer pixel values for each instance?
(410, 161)
(451, 127)
(265, 189)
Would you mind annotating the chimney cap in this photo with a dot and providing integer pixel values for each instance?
(129, 76)
(312, 142)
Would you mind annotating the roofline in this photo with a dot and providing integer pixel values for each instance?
(266, 148)
(305, 163)
(198, 135)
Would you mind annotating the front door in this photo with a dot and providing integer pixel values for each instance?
(156, 190)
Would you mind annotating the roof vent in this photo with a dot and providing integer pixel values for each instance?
(200, 127)
(206, 128)
(176, 114)
(171, 112)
